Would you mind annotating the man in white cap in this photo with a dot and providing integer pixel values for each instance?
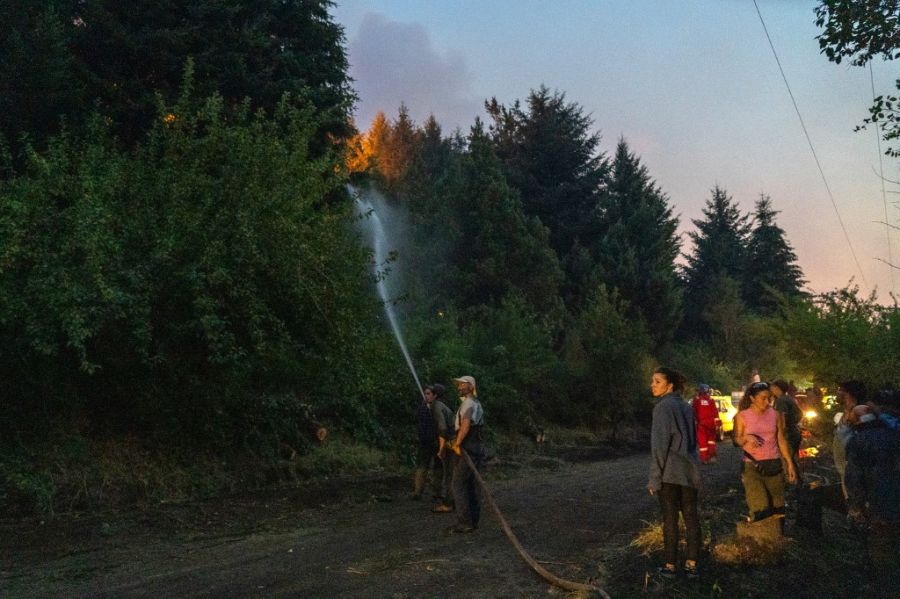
(469, 420)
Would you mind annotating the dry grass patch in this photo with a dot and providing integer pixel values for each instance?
(742, 551)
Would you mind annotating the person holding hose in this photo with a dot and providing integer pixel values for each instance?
(674, 469)
(427, 443)
(443, 421)
(707, 416)
(469, 421)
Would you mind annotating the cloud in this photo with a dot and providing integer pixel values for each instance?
(394, 62)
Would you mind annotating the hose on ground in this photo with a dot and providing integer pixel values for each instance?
(543, 572)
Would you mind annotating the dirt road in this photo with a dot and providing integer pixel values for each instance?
(365, 541)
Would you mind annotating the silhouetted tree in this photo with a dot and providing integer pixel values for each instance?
(550, 155)
(773, 265)
(496, 249)
(720, 249)
(119, 55)
(638, 245)
(861, 31)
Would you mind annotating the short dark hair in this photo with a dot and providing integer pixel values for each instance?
(855, 388)
(888, 398)
(781, 384)
(672, 376)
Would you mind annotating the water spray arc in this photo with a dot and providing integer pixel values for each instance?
(373, 226)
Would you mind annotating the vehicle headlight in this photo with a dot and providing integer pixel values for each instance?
(810, 414)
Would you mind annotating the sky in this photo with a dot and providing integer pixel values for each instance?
(691, 85)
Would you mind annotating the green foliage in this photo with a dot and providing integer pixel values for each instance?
(64, 55)
(862, 31)
(550, 155)
(179, 280)
(513, 349)
(699, 363)
(609, 360)
(639, 243)
(772, 272)
(341, 457)
(497, 250)
(843, 335)
(38, 75)
(24, 484)
(720, 250)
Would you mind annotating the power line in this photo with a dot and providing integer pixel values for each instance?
(887, 228)
(809, 141)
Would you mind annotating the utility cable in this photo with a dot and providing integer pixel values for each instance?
(887, 227)
(809, 141)
(543, 572)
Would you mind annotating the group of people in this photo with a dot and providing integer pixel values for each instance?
(866, 451)
(767, 429)
(445, 439)
(683, 435)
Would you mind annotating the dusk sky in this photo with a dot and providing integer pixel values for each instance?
(692, 86)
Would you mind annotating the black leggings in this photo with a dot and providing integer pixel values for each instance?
(674, 499)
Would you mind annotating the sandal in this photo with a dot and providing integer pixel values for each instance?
(442, 509)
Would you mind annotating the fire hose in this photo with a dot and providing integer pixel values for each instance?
(543, 572)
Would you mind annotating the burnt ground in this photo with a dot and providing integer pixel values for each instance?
(364, 538)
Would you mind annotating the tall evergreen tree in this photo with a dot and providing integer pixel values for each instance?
(773, 263)
(121, 54)
(38, 82)
(720, 250)
(551, 157)
(400, 152)
(638, 245)
(496, 250)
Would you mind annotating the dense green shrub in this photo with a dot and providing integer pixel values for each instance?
(174, 288)
(609, 358)
(843, 335)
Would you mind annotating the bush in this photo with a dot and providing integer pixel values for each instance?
(167, 289)
(608, 357)
(842, 335)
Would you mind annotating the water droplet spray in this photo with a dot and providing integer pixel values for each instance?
(374, 228)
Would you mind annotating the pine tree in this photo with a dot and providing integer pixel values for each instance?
(720, 250)
(551, 157)
(495, 249)
(772, 270)
(638, 245)
(37, 74)
(122, 54)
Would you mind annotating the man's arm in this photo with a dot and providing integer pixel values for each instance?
(785, 449)
(464, 426)
(854, 479)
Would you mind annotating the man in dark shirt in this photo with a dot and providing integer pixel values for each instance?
(787, 405)
(443, 422)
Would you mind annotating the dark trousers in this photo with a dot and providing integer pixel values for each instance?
(466, 491)
(674, 499)
(445, 468)
(426, 458)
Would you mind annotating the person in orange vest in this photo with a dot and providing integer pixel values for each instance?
(707, 416)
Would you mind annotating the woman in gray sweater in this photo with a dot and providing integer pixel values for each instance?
(675, 468)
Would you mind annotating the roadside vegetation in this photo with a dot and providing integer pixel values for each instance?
(186, 300)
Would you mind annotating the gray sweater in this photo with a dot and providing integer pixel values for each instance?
(673, 444)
